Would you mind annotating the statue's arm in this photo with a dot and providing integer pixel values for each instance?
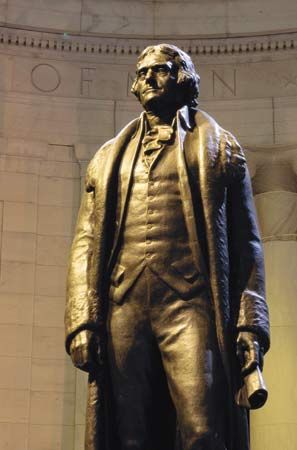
(81, 337)
(247, 287)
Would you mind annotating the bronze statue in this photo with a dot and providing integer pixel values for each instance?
(166, 303)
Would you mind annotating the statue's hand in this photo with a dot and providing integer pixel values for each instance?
(249, 352)
(85, 351)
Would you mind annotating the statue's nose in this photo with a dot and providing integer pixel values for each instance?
(149, 74)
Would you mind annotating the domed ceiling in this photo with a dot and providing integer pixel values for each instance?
(152, 19)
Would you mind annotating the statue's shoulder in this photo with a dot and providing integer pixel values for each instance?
(209, 125)
(222, 145)
(97, 162)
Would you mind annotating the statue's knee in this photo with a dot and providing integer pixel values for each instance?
(133, 444)
(204, 439)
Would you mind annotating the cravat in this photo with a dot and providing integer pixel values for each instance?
(154, 140)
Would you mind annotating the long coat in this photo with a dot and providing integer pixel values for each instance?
(218, 192)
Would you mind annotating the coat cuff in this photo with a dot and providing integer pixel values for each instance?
(253, 317)
(71, 336)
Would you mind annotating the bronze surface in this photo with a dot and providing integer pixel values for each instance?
(166, 301)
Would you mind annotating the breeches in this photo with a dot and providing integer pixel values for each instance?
(167, 378)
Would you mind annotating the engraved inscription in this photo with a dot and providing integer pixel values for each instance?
(224, 84)
(290, 81)
(86, 80)
(45, 78)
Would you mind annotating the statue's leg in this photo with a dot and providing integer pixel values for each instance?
(142, 405)
(185, 331)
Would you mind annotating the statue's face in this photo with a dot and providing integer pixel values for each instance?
(156, 82)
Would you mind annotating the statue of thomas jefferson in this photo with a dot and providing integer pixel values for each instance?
(166, 302)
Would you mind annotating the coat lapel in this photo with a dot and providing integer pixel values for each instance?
(213, 199)
(129, 158)
(183, 127)
(107, 170)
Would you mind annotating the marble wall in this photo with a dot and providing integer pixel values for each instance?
(60, 98)
(39, 193)
(275, 187)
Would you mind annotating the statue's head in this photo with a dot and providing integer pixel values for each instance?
(165, 78)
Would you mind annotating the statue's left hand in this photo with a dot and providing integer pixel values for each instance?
(249, 352)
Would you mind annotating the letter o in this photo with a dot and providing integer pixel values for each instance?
(45, 78)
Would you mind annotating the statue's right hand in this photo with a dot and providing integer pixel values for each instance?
(85, 351)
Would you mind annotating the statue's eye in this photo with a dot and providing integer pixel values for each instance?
(162, 70)
(141, 74)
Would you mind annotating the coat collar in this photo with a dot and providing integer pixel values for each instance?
(185, 116)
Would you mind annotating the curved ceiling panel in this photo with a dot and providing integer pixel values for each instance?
(152, 18)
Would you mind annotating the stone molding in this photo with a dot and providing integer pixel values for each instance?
(284, 237)
(272, 154)
(125, 46)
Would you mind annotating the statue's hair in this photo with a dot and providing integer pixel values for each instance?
(187, 77)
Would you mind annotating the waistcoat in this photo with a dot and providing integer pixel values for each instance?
(154, 232)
